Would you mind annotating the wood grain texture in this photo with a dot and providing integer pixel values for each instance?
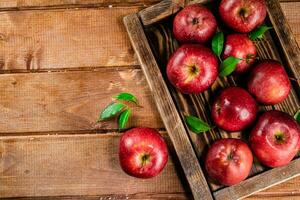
(45, 4)
(35, 166)
(64, 39)
(68, 101)
(137, 196)
(285, 191)
(158, 11)
(55, 39)
(167, 109)
(74, 165)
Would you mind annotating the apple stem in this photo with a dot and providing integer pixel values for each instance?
(145, 158)
(220, 58)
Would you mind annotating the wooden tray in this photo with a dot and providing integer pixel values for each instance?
(151, 37)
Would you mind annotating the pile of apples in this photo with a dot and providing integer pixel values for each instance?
(193, 68)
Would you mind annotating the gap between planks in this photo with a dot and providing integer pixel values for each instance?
(69, 133)
(75, 69)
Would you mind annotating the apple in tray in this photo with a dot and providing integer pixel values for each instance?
(192, 68)
(240, 46)
(229, 161)
(269, 83)
(194, 23)
(275, 138)
(243, 16)
(234, 109)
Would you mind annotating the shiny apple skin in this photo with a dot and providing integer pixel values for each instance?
(229, 161)
(269, 150)
(269, 83)
(194, 23)
(138, 142)
(192, 68)
(240, 46)
(243, 15)
(234, 109)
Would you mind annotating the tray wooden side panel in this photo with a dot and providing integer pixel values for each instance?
(259, 182)
(164, 9)
(167, 109)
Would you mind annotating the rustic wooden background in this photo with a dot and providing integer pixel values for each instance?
(61, 61)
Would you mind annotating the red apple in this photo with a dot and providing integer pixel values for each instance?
(194, 23)
(243, 15)
(240, 46)
(269, 83)
(229, 161)
(192, 68)
(274, 139)
(234, 109)
(142, 152)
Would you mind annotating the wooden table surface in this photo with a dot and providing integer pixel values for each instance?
(61, 62)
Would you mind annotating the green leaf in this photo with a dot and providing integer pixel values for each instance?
(228, 65)
(196, 125)
(258, 33)
(123, 119)
(217, 43)
(126, 97)
(111, 110)
(297, 116)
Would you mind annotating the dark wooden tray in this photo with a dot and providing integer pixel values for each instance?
(151, 37)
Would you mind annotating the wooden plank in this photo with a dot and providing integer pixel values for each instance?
(44, 4)
(36, 166)
(138, 196)
(79, 40)
(166, 107)
(274, 198)
(68, 101)
(74, 165)
(64, 39)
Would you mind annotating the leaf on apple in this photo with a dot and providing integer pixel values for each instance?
(297, 116)
(259, 32)
(228, 65)
(217, 43)
(126, 97)
(197, 125)
(111, 110)
(123, 118)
